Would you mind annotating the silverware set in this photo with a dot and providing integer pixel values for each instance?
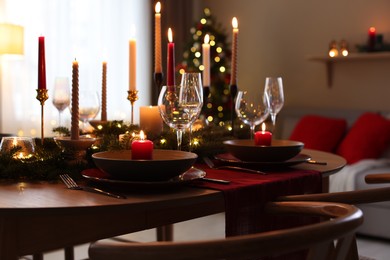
(212, 166)
(71, 184)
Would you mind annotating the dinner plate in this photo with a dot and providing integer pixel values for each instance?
(278, 151)
(228, 158)
(165, 164)
(98, 176)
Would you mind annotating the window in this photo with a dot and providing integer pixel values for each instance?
(92, 31)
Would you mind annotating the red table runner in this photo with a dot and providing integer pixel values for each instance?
(247, 194)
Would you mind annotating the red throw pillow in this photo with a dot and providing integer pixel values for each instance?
(368, 138)
(319, 133)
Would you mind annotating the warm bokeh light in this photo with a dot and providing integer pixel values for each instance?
(333, 53)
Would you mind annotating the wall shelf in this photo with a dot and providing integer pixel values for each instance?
(352, 57)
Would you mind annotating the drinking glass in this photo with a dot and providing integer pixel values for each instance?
(274, 89)
(89, 106)
(252, 107)
(61, 95)
(191, 80)
(26, 146)
(179, 107)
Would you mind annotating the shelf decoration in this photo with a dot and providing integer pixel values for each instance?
(375, 42)
(344, 50)
(333, 51)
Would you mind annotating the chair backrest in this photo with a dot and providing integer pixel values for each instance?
(319, 238)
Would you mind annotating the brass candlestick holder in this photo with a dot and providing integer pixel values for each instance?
(233, 93)
(158, 81)
(42, 96)
(132, 97)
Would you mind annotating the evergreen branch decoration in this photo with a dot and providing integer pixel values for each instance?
(49, 161)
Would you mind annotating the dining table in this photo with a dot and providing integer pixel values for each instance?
(40, 216)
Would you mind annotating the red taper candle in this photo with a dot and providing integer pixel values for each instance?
(41, 63)
(171, 60)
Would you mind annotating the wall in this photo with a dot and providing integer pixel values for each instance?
(277, 36)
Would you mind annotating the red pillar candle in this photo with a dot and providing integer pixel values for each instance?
(263, 137)
(41, 63)
(142, 149)
(170, 60)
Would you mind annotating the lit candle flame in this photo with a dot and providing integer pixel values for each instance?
(142, 135)
(158, 8)
(206, 39)
(263, 127)
(14, 142)
(170, 37)
(372, 29)
(234, 23)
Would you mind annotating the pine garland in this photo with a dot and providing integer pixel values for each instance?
(49, 161)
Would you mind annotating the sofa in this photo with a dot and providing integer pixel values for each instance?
(362, 137)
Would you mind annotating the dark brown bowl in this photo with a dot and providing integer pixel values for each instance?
(280, 150)
(165, 165)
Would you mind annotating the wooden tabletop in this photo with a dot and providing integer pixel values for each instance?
(58, 217)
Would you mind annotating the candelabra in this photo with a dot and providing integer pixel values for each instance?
(42, 96)
(158, 81)
(233, 93)
(132, 97)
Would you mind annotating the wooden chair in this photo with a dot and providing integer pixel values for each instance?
(340, 224)
(350, 197)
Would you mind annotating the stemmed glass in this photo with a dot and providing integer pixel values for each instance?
(89, 106)
(191, 80)
(252, 108)
(61, 95)
(179, 107)
(274, 89)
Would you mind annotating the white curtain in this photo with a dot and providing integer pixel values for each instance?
(90, 31)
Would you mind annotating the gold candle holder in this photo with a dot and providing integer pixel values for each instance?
(42, 96)
(132, 97)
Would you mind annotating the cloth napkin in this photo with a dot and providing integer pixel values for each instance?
(247, 194)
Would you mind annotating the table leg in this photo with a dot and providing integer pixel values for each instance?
(165, 233)
(8, 239)
(38, 256)
(325, 184)
(69, 253)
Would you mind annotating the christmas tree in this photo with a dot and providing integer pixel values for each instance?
(218, 106)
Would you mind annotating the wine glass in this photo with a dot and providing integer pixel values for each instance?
(252, 107)
(89, 106)
(274, 89)
(179, 107)
(61, 95)
(192, 80)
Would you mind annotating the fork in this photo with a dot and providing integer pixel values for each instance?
(71, 184)
(237, 168)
